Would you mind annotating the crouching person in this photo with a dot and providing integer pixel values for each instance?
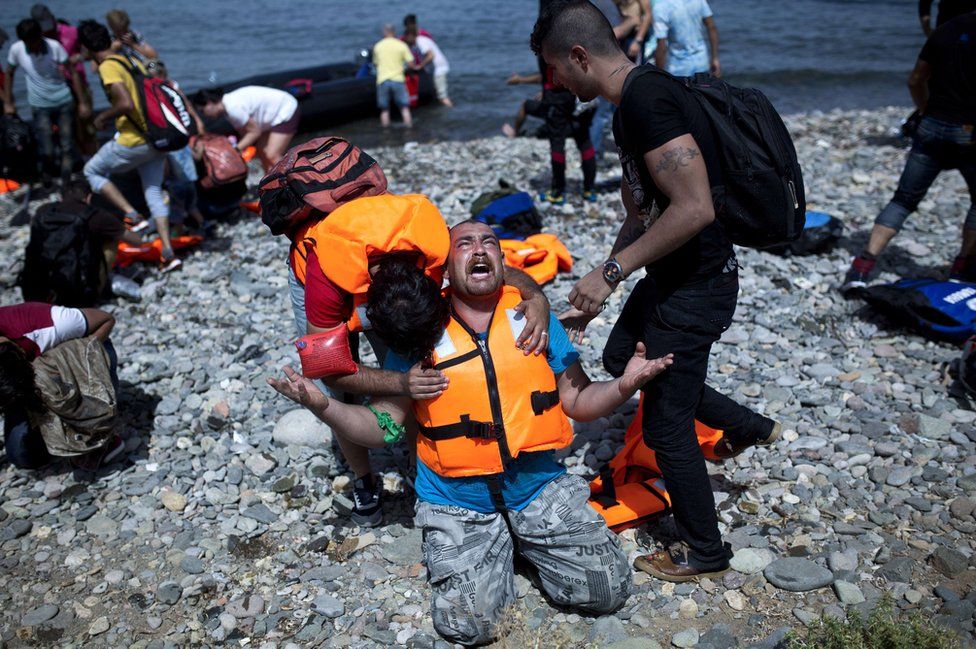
(58, 386)
(488, 483)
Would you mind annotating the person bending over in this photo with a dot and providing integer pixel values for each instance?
(687, 299)
(488, 483)
(333, 264)
(28, 331)
(264, 117)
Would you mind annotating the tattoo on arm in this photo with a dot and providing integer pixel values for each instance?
(676, 158)
(629, 233)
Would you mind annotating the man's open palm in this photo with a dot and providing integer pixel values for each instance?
(300, 390)
(640, 370)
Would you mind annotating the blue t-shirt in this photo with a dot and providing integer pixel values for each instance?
(525, 477)
(679, 22)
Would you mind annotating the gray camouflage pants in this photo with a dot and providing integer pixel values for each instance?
(469, 559)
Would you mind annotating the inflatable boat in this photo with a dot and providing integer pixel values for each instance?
(330, 94)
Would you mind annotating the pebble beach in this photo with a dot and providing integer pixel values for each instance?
(226, 523)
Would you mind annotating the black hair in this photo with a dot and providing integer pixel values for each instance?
(405, 307)
(76, 190)
(29, 29)
(17, 386)
(410, 20)
(565, 23)
(206, 96)
(94, 36)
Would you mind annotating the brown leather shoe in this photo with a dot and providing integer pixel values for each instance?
(675, 568)
(726, 448)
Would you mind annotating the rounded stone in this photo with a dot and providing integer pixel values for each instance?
(797, 575)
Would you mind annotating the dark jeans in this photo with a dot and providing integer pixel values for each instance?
(937, 147)
(24, 445)
(684, 322)
(44, 121)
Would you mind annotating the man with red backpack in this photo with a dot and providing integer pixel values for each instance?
(347, 230)
(134, 146)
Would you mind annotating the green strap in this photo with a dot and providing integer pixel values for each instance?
(392, 431)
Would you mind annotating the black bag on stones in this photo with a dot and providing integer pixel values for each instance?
(18, 150)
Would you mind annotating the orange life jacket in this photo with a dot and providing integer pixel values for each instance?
(541, 256)
(630, 490)
(499, 402)
(152, 252)
(359, 232)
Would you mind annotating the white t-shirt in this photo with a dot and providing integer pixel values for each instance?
(426, 44)
(46, 87)
(266, 106)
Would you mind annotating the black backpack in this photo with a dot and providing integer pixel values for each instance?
(18, 150)
(762, 201)
(63, 264)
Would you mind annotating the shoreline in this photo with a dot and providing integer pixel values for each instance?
(874, 480)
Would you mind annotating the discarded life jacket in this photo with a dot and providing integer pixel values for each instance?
(359, 232)
(820, 232)
(541, 256)
(630, 489)
(509, 212)
(500, 403)
(152, 252)
(935, 309)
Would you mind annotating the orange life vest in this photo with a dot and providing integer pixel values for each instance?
(541, 256)
(630, 490)
(152, 252)
(499, 402)
(359, 232)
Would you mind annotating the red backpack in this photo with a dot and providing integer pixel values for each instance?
(313, 179)
(168, 121)
(224, 163)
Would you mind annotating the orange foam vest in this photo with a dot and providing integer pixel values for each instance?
(359, 232)
(541, 256)
(630, 490)
(499, 402)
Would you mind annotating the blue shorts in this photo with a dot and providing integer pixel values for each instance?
(395, 90)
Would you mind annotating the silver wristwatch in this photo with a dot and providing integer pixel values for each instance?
(613, 272)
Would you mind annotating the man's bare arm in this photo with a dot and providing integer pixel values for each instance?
(715, 68)
(631, 229)
(679, 171)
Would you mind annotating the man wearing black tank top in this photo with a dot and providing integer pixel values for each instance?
(689, 294)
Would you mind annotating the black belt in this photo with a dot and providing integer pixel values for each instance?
(542, 401)
(464, 428)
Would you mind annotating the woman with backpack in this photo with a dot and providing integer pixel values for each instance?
(39, 345)
(266, 118)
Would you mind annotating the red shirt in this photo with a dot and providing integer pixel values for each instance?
(36, 327)
(326, 305)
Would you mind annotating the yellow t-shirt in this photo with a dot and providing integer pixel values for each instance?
(111, 70)
(389, 56)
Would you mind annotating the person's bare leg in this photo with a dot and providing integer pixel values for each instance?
(385, 118)
(407, 118)
(881, 235)
(357, 457)
(162, 227)
(112, 193)
(110, 251)
(447, 102)
(275, 147)
(513, 131)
